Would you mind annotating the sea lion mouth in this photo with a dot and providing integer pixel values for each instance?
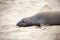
(19, 25)
(24, 25)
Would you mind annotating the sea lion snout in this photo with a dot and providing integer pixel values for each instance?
(22, 23)
(19, 23)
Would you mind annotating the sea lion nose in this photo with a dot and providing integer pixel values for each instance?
(17, 24)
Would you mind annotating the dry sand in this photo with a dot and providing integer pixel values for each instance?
(11, 32)
(11, 11)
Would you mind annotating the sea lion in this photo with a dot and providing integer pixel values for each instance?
(40, 19)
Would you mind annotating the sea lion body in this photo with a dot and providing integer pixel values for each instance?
(40, 19)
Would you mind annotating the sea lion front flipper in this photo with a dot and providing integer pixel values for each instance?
(43, 24)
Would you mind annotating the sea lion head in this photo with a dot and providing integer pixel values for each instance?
(25, 22)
